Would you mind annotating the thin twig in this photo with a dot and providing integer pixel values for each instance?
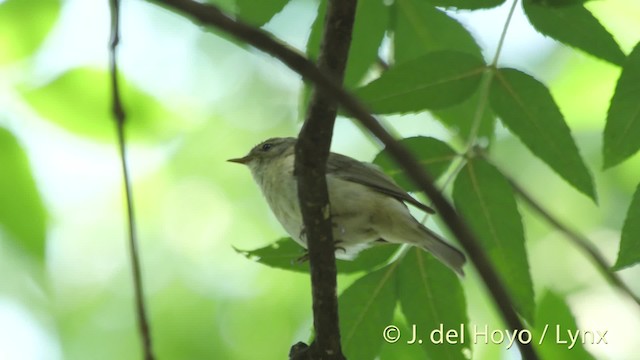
(120, 117)
(207, 14)
(312, 152)
(503, 35)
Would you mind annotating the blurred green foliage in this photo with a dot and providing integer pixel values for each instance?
(22, 214)
(24, 24)
(80, 102)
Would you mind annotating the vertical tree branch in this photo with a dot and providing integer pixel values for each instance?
(312, 151)
(120, 118)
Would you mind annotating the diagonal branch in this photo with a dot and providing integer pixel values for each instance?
(120, 118)
(312, 152)
(578, 240)
(212, 16)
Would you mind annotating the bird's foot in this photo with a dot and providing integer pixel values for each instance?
(305, 257)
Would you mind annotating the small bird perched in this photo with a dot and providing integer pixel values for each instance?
(367, 206)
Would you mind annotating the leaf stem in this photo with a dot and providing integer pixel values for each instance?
(503, 35)
(485, 85)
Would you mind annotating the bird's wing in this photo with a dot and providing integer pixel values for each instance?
(370, 175)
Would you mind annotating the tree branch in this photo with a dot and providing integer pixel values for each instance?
(312, 152)
(578, 240)
(119, 116)
(211, 15)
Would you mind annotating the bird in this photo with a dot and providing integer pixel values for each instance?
(367, 206)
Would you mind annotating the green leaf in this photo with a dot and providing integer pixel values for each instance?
(485, 199)
(433, 81)
(460, 118)
(558, 3)
(431, 295)
(366, 308)
(258, 13)
(577, 27)
(400, 349)
(622, 131)
(368, 32)
(22, 212)
(433, 154)
(24, 24)
(80, 102)
(369, 27)
(285, 253)
(372, 17)
(629, 253)
(420, 28)
(554, 314)
(313, 49)
(526, 107)
(315, 37)
(467, 4)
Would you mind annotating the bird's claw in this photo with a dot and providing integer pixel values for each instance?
(305, 257)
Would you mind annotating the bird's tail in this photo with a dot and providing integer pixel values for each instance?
(444, 252)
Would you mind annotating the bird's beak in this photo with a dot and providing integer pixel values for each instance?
(242, 160)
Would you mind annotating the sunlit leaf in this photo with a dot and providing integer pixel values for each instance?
(433, 81)
(630, 239)
(24, 24)
(368, 30)
(286, 254)
(575, 26)
(433, 154)
(485, 199)
(22, 212)
(467, 4)
(622, 131)
(554, 314)
(260, 12)
(527, 108)
(431, 295)
(80, 102)
(366, 308)
(420, 28)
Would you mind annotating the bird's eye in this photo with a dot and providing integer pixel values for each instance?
(267, 147)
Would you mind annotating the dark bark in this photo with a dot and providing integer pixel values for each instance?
(312, 151)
